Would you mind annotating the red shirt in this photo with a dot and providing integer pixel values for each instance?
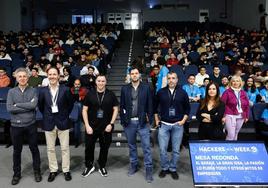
(171, 62)
(82, 93)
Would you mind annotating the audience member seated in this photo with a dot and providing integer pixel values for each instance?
(4, 56)
(202, 60)
(199, 78)
(67, 78)
(35, 80)
(172, 60)
(191, 89)
(252, 91)
(88, 80)
(168, 55)
(185, 61)
(4, 79)
(202, 48)
(216, 76)
(82, 61)
(153, 75)
(60, 66)
(164, 43)
(70, 41)
(203, 88)
(84, 70)
(224, 84)
(154, 60)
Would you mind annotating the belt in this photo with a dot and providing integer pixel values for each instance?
(171, 124)
(134, 119)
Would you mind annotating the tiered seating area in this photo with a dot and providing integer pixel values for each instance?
(233, 50)
(64, 44)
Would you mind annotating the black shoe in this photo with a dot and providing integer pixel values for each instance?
(77, 143)
(103, 172)
(37, 176)
(52, 176)
(88, 171)
(15, 180)
(67, 176)
(174, 175)
(8, 145)
(163, 173)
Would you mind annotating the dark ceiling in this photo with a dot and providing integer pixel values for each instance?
(100, 5)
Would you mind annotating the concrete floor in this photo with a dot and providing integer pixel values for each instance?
(117, 168)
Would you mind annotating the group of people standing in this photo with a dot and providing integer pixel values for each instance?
(169, 108)
(229, 112)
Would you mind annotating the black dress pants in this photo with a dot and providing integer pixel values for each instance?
(17, 136)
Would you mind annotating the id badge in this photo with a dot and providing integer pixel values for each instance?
(54, 109)
(100, 114)
(171, 112)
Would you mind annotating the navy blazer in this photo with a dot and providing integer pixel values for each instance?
(145, 104)
(65, 104)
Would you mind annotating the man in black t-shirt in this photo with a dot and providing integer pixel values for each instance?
(100, 109)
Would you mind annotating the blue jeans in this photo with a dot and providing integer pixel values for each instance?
(175, 132)
(144, 132)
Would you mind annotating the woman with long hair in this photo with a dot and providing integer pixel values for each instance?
(252, 91)
(210, 114)
(236, 107)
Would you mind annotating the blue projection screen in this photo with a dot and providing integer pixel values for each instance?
(229, 163)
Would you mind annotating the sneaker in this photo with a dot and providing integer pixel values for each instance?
(149, 175)
(88, 171)
(103, 172)
(174, 175)
(163, 173)
(132, 169)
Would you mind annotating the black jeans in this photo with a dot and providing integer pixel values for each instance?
(105, 139)
(17, 136)
(7, 132)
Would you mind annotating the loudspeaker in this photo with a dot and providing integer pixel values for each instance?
(23, 11)
(261, 8)
(78, 20)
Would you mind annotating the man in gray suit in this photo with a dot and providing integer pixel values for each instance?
(22, 103)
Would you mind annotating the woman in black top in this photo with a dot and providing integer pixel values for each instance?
(210, 115)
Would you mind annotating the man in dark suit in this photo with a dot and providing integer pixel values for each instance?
(56, 103)
(135, 109)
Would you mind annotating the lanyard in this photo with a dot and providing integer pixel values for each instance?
(171, 97)
(238, 100)
(191, 90)
(100, 101)
(55, 98)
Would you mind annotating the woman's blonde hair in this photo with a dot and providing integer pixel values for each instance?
(235, 77)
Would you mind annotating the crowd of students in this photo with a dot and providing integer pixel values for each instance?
(63, 46)
(200, 56)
